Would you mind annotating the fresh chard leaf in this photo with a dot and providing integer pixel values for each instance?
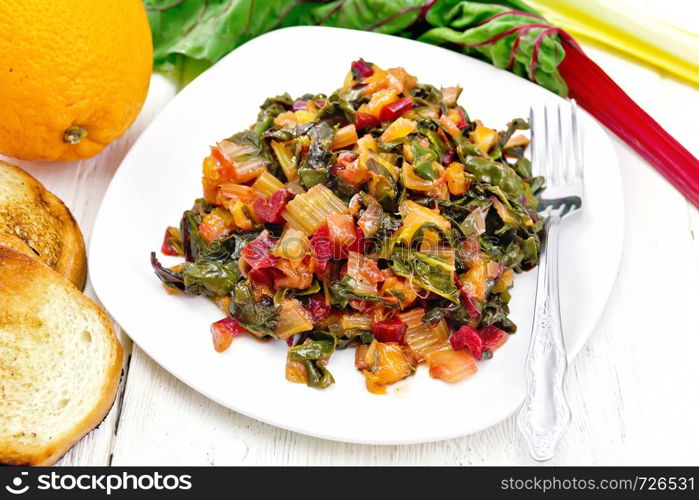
(481, 29)
(188, 40)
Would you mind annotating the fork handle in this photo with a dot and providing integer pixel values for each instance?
(545, 414)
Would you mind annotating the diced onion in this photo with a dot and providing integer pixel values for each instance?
(293, 318)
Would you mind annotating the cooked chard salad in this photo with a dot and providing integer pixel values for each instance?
(379, 217)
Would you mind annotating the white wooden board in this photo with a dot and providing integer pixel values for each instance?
(632, 389)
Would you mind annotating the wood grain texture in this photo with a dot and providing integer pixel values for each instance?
(631, 388)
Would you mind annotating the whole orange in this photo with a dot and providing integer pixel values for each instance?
(73, 75)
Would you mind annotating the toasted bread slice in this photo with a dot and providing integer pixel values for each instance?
(60, 362)
(37, 217)
(16, 244)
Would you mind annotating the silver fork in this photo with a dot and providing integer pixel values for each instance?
(557, 154)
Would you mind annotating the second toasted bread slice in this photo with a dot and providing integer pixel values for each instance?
(37, 217)
(60, 362)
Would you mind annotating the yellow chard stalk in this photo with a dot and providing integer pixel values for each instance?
(628, 30)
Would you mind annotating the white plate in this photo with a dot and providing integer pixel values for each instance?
(160, 177)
